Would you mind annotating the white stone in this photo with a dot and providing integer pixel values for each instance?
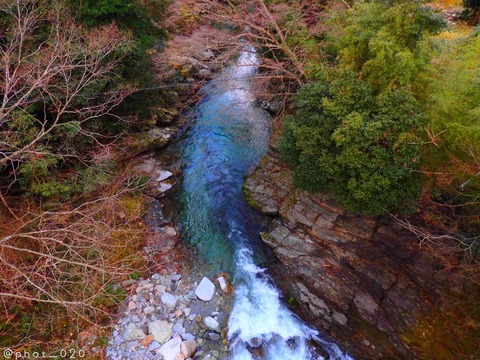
(170, 349)
(164, 187)
(161, 330)
(138, 334)
(178, 328)
(153, 345)
(130, 331)
(148, 310)
(223, 284)
(169, 300)
(160, 288)
(187, 336)
(163, 175)
(147, 286)
(170, 231)
(211, 323)
(205, 290)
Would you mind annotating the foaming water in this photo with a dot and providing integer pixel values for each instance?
(225, 143)
(260, 325)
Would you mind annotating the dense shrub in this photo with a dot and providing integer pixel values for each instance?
(355, 130)
(362, 146)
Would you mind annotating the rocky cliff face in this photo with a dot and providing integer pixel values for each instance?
(365, 280)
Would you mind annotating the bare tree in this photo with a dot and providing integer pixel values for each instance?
(53, 76)
(73, 257)
(60, 72)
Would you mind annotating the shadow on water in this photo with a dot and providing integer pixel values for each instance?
(225, 141)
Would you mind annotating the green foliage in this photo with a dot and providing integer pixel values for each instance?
(355, 128)
(453, 107)
(102, 11)
(382, 42)
(362, 146)
(142, 19)
(113, 295)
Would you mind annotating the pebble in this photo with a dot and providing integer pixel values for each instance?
(223, 283)
(213, 336)
(178, 328)
(154, 345)
(147, 340)
(163, 175)
(187, 336)
(159, 305)
(188, 348)
(211, 323)
(148, 310)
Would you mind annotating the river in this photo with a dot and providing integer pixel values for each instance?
(223, 144)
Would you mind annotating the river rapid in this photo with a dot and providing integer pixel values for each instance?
(224, 143)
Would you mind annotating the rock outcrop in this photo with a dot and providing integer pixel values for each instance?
(362, 279)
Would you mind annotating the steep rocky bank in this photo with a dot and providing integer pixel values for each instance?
(365, 280)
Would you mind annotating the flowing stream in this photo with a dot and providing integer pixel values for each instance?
(224, 143)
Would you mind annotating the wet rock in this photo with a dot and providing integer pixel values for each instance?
(255, 342)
